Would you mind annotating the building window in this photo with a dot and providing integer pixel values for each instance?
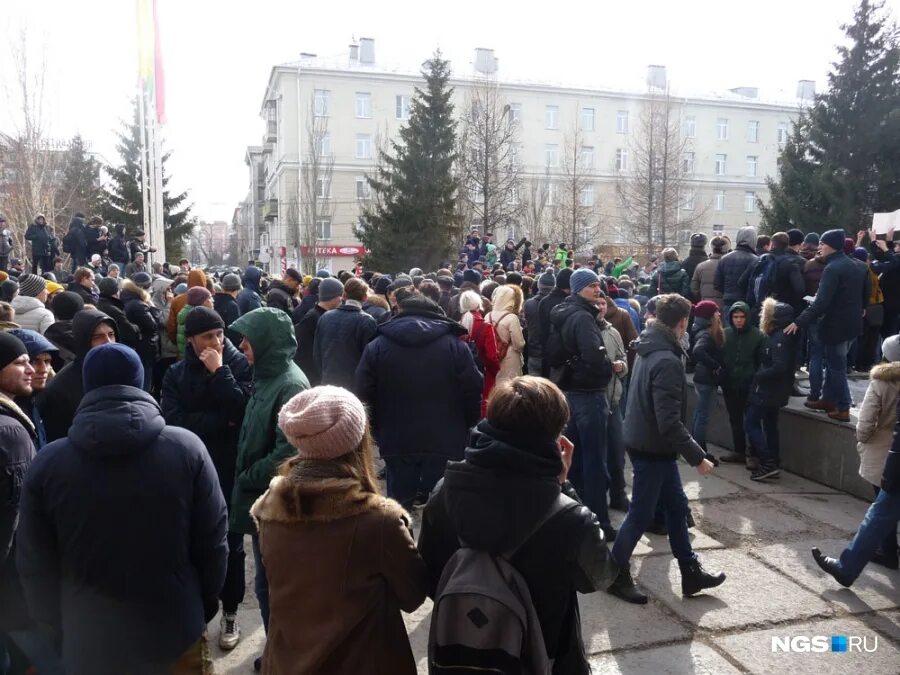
(749, 202)
(363, 104)
(325, 145)
(515, 155)
(720, 164)
(363, 191)
(322, 102)
(551, 117)
(323, 229)
(587, 196)
(720, 200)
(718, 230)
(689, 126)
(687, 162)
(551, 193)
(752, 164)
(551, 155)
(587, 156)
(782, 133)
(323, 188)
(587, 119)
(722, 129)
(512, 196)
(621, 159)
(363, 146)
(402, 107)
(687, 200)
(622, 122)
(752, 131)
(515, 113)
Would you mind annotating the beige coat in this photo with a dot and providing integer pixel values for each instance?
(508, 330)
(615, 350)
(704, 275)
(875, 428)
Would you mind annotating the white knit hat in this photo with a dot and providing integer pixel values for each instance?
(323, 422)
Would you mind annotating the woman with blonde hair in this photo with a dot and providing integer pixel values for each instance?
(504, 317)
(480, 336)
(340, 559)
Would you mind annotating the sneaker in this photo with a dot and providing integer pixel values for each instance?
(821, 406)
(623, 587)
(840, 415)
(765, 471)
(733, 458)
(832, 566)
(695, 579)
(229, 631)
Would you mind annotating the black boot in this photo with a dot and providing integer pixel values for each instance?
(694, 578)
(623, 587)
(832, 566)
(620, 503)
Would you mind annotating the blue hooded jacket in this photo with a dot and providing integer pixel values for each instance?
(250, 297)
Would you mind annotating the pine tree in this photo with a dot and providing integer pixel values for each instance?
(124, 202)
(842, 162)
(80, 189)
(413, 221)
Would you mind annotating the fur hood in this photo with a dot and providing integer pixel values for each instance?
(774, 316)
(293, 499)
(887, 372)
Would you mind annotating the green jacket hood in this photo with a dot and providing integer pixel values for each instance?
(740, 306)
(271, 335)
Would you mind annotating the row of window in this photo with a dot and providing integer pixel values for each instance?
(322, 104)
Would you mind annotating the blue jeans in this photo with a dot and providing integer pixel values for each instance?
(588, 419)
(260, 582)
(706, 398)
(878, 522)
(836, 389)
(816, 354)
(761, 425)
(411, 475)
(615, 453)
(654, 481)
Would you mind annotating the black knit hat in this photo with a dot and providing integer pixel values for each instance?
(11, 348)
(201, 319)
(562, 279)
(66, 305)
(795, 237)
(472, 276)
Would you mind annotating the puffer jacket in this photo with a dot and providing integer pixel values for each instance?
(773, 381)
(703, 285)
(732, 267)
(32, 314)
(708, 357)
(877, 416)
(39, 236)
(670, 278)
(742, 351)
(575, 320)
(341, 337)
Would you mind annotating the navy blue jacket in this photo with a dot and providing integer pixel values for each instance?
(227, 307)
(420, 384)
(774, 379)
(842, 296)
(121, 542)
(250, 298)
(341, 336)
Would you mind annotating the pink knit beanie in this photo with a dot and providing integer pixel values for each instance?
(323, 422)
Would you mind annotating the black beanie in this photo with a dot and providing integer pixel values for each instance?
(562, 279)
(11, 348)
(795, 237)
(201, 319)
(66, 305)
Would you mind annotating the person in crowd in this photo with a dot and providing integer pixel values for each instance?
(62, 276)
(342, 335)
(885, 263)
(837, 312)
(118, 247)
(6, 245)
(480, 335)
(330, 294)
(763, 245)
(111, 304)
(310, 299)
(615, 444)
(207, 393)
(770, 388)
(161, 296)
(269, 345)
(250, 297)
(419, 422)
(136, 265)
(346, 535)
(7, 316)
(84, 589)
(9, 289)
(510, 496)
(708, 356)
(545, 284)
(82, 284)
(197, 296)
(65, 306)
(377, 306)
(140, 311)
(810, 246)
(470, 282)
(226, 305)
(880, 520)
(40, 355)
(196, 278)
(696, 255)
(655, 436)
(40, 235)
(59, 401)
(560, 292)
(742, 355)
(867, 343)
(874, 433)
(581, 368)
(137, 244)
(504, 318)
(731, 268)
(31, 312)
(670, 277)
(703, 280)
(95, 265)
(283, 292)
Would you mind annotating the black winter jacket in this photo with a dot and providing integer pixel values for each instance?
(575, 320)
(843, 295)
(695, 257)
(656, 397)
(121, 543)
(118, 251)
(341, 336)
(552, 299)
(227, 307)
(280, 296)
(774, 379)
(305, 332)
(708, 357)
(39, 236)
(790, 286)
(128, 333)
(146, 318)
(730, 272)
(85, 293)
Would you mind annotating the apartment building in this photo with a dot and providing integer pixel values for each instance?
(357, 104)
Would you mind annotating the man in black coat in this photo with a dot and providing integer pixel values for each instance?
(559, 293)
(838, 311)
(330, 295)
(730, 279)
(121, 542)
(207, 393)
(227, 307)
(110, 304)
(75, 242)
(283, 292)
(696, 255)
(39, 234)
(82, 284)
(341, 336)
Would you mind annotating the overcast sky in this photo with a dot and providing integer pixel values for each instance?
(218, 56)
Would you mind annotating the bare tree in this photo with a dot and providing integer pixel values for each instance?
(577, 215)
(317, 205)
(538, 217)
(488, 163)
(655, 187)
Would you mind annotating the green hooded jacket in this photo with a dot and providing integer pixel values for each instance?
(742, 351)
(262, 446)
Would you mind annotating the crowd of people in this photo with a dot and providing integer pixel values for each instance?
(153, 417)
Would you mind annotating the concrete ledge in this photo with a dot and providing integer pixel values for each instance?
(812, 444)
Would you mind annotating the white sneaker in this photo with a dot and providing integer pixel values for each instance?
(229, 632)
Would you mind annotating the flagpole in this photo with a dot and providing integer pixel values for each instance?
(145, 175)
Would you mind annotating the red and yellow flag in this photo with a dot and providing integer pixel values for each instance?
(150, 65)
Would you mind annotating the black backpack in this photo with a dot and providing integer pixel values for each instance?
(563, 361)
(762, 280)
